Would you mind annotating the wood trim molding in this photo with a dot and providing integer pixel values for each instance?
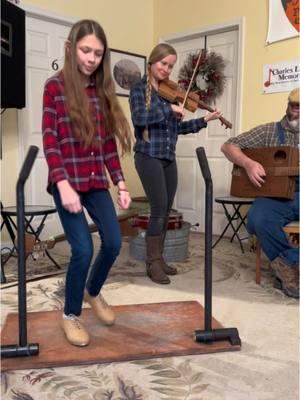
(49, 16)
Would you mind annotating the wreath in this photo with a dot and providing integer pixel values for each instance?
(209, 79)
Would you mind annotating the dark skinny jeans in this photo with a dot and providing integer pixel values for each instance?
(101, 209)
(159, 180)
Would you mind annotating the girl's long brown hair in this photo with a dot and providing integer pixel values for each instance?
(77, 101)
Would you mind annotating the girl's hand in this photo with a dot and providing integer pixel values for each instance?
(69, 197)
(209, 116)
(124, 199)
(178, 110)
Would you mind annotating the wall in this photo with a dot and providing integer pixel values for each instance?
(9, 162)
(191, 15)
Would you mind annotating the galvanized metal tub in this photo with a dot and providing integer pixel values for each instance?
(176, 244)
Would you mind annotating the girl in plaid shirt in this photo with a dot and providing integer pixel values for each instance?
(82, 120)
(157, 123)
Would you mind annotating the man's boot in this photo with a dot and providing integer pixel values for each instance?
(153, 260)
(289, 277)
(168, 269)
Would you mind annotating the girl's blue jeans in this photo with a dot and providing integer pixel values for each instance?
(266, 218)
(100, 207)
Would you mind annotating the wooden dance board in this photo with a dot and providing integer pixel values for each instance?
(141, 331)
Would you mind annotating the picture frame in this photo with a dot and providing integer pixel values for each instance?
(126, 69)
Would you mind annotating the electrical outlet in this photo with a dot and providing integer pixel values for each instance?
(195, 227)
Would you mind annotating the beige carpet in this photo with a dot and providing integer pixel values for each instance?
(266, 368)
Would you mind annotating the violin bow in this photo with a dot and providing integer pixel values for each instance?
(192, 78)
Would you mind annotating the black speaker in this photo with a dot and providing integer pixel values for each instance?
(12, 56)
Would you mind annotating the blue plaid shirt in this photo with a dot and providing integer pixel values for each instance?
(161, 122)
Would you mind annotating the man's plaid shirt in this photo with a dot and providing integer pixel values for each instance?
(66, 157)
(160, 121)
(266, 136)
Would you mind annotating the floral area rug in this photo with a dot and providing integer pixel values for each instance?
(265, 369)
(38, 266)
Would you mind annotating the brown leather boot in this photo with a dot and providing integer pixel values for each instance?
(153, 260)
(289, 277)
(168, 269)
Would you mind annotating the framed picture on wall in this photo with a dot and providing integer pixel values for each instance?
(126, 69)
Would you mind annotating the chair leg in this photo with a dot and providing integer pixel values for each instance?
(257, 262)
(3, 277)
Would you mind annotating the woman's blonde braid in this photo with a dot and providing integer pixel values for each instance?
(148, 102)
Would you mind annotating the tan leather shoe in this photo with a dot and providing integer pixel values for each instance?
(103, 311)
(75, 331)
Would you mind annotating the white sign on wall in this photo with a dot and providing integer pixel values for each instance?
(283, 20)
(281, 77)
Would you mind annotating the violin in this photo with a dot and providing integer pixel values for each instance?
(171, 91)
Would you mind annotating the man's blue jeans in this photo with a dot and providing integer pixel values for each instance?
(266, 218)
(100, 207)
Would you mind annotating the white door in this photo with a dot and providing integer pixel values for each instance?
(44, 55)
(190, 197)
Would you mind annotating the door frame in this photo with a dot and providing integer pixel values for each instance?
(239, 25)
(42, 15)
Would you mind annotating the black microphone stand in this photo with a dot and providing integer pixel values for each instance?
(23, 348)
(209, 335)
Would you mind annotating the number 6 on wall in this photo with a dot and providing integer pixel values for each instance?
(54, 65)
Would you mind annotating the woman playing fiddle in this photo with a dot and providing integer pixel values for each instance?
(157, 123)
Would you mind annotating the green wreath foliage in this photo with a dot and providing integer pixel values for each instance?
(209, 82)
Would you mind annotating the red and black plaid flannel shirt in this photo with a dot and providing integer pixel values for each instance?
(66, 156)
